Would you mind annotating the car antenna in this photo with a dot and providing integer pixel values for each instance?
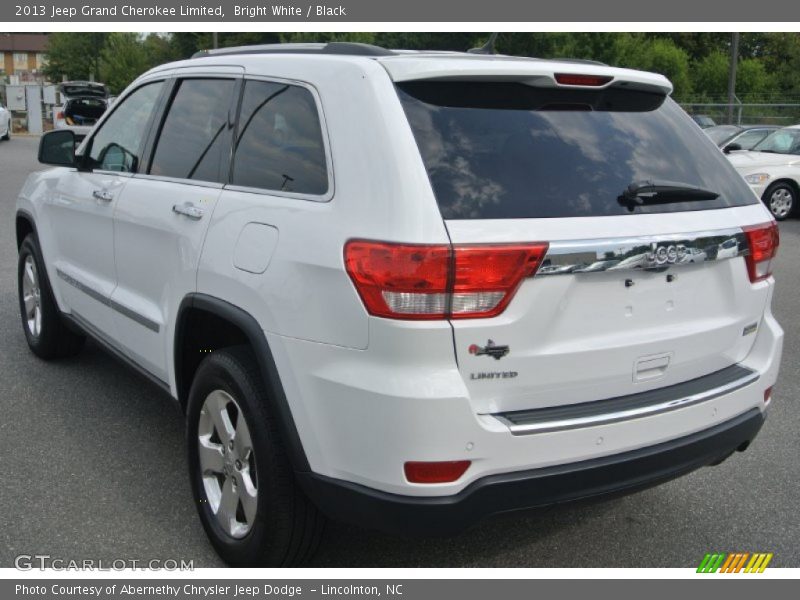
(487, 48)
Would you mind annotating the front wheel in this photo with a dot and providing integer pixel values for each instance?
(780, 199)
(249, 503)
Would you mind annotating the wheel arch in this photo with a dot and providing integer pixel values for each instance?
(205, 323)
(794, 184)
(24, 225)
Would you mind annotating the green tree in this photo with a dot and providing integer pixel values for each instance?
(123, 59)
(710, 76)
(780, 54)
(159, 50)
(430, 41)
(752, 79)
(73, 55)
(185, 43)
(659, 55)
(312, 36)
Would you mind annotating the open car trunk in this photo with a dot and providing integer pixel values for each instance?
(84, 111)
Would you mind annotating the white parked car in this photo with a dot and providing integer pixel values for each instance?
(83, 103)
(329, 256)
(772, 168)
(728, 249)
(5, 123)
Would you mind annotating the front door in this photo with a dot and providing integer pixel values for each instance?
(79, 212)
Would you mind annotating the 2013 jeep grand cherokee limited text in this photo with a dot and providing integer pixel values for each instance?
(408, 289)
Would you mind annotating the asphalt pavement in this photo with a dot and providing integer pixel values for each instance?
(92, 466)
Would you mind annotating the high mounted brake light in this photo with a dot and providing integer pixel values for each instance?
(584, 80)
(428, 282)
(763, 241)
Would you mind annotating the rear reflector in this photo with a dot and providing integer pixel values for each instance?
(767, 395)
(586, 80)
(425, 282)
(436, 472)
(763, 241)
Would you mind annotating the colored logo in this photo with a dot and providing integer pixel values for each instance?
(490, 349)
(736, 562)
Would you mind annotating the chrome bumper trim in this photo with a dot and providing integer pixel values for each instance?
(623, 408)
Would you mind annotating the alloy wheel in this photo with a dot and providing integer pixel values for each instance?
(32, 297)
(227, 463)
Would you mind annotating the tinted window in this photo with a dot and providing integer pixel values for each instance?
(195, 138)
(279, 141)
(117, 145)
(508, 150)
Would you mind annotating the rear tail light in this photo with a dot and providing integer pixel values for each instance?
(436, 472)
(585, 80)
(60, 115)
(425, 282)
(763, 241)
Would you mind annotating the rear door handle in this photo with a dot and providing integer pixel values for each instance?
(103, 195)
(189, 210)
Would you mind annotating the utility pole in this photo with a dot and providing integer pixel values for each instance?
(215, 40)
(732, 75)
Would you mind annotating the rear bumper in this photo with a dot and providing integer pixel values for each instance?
(608, 475)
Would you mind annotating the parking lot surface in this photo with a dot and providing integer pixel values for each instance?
(93, 467)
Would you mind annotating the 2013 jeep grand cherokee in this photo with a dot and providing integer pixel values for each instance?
(408, 289)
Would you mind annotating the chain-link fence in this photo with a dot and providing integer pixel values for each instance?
(747, 113)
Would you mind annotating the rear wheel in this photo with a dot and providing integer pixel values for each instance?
(249, 502)
(780, 199)
(47, 335)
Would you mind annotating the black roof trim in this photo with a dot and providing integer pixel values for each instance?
(342, 48)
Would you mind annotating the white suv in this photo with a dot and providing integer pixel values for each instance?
(407, 289)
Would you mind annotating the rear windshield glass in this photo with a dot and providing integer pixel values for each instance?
(508, 150)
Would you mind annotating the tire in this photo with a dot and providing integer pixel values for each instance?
(781, 200)
(47, 335)
(7, 136)
(273, 523)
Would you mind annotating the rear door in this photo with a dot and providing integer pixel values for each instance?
(163, 213)
(630, 296)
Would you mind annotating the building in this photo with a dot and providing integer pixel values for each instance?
(23, 55)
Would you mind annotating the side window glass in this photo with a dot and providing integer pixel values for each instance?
(279, 140)
(118, 143)
(194, 139)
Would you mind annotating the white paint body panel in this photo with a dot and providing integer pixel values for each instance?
(368, 394)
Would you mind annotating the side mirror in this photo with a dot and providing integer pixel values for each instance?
(731, 148)
(57, 148)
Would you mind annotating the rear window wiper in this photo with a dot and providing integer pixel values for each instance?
(642, 193)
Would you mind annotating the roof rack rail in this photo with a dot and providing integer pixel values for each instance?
(342, 48)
